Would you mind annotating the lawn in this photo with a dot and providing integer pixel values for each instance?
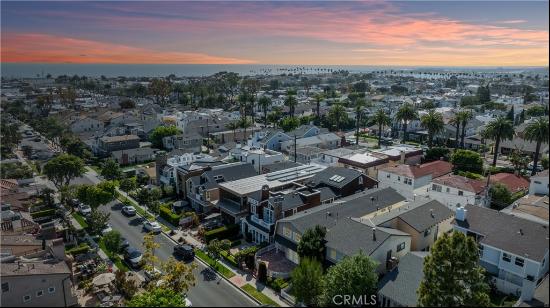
(120, 264)
(262, 298)
(224, 271)
(80, 220)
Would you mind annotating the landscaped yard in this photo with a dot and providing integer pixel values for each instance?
(80, 220)
(120, 264)
(227, 273)
(264, 299)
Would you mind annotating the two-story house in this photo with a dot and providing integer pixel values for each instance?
(342, 181)
(539, 183)
(513, 250)
(455, 191)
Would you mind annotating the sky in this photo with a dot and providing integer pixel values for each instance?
(372, 32)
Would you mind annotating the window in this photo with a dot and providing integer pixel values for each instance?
(519, 262)
(287, 233)
(39, 293)
(427, 232)
(297, 237)
(460, 193)
(51, 290)
(5, 287)
(506, 257)
(448, 189)
(400, 246)
(436, 187)
(26, 298)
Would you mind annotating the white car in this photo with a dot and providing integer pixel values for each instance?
(152, 226)
(152, 275)
(84, 209)
(129, 210)
(106, 230)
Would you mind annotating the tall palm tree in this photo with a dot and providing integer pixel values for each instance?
(455, 120)
(464, 116)
(318, 98)
(360, 104)
(291, 101)
(233, 126)
(499, 129)
(537, 131)
(245, 123)
(433, 122)
(405, 114)
(265, 103)
(381, 118)
(337, 114)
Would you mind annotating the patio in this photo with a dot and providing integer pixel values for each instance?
(277, 263)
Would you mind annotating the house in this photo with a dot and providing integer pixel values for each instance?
(324, 141)
(40, 281)
(531, 207)
(514, 183)
(398, 287)
(85, 124)
(455, 191)
(255, 156)
(342, 181)
(539, 183)
(513, 250)
(108, 144)
(270, 139)
(233, 201)
(411, 181)
(203, 189)
(402, 153)
(191, 142)
(304, 155)
(288, 231)
(134, 156)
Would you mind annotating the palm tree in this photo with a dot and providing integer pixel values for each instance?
(464, 116)
(233, 126)
(265, 103)
(455, 120)
(318, 98)
(433, 122)
(245, 123)
(291, 101)
(337, 114)
(359, 106)
(537, 131)
(405, 114)
(381, 118)
(499, 129)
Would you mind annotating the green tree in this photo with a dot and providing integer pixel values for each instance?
(15, 171)
(127, 287)
(47, 196)
(245, 123)
(127, 104)
(337, 115)
(318, 99)
(96, 195)
(497, 130)
(111, 170)
(160, 132)
(234, 125)
(500, 196)
(149, 249)
(66, 193)
(216, 247)
(433, 122)
(307, 281)
(354, 276)
(483, 94)
(436, 154)
(312, 244)
(178, 276)
(99, 219)
(148, 197)
(381, 119)
(291, 102)
(455, 121)
(467, 161)
(544, 162)
(405, 114)
(157, 297)
(536, 111)
(289, 123)
(112, 241)
(159, 88)
(452, 275)
(360, 104)
(465, 117)
(265, 103)
(537, 131)
(63, 168)
(128, 184)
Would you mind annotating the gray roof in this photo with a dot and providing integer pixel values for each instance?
(513, 234)
(427, 215)
(349, 236)
(286, 164)
(300, 131)
(324, 177)
(326, 193)
(400, 284)
(356, 205)
(231, 172)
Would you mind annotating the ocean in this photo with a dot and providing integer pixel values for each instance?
(28, 70)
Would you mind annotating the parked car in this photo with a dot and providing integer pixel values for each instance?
(84, 209)
(539, 167)
(107, 229)
(152, 226)
(133, 257)
(184, 251)
(152, 274)
(129, 210)
(124, 243)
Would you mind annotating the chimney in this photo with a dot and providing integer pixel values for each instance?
(432, 213)
(461, 213)
(520, 232)
(374, 234)
(402, 157)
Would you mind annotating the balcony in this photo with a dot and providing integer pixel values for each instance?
(262, 223)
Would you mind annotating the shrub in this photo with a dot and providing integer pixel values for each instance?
(225, 232)
(436, 153)
(466, 160)
(470, 175)
(81, 249)
(166, 213)
(44, 213)
(229, 258)
(262, 272)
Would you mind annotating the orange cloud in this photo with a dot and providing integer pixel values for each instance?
(44, 48)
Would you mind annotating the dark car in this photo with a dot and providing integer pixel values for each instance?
(133, 257)
(124, 243)
(184, 251)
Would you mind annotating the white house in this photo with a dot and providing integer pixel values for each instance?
(455, 191)
(85, 124)
(256, 156)
(513, 250)
(539, 183)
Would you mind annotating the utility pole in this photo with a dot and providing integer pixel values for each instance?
(295, 148)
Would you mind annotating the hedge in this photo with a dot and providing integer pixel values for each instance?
(229, 258)
(44, 213)
(168, 215)
(81, 249)
(225, 232)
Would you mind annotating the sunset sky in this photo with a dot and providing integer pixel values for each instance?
(428, 33)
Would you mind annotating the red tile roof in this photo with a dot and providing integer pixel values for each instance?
(513, 182)
(461, 182)
(436, 169)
